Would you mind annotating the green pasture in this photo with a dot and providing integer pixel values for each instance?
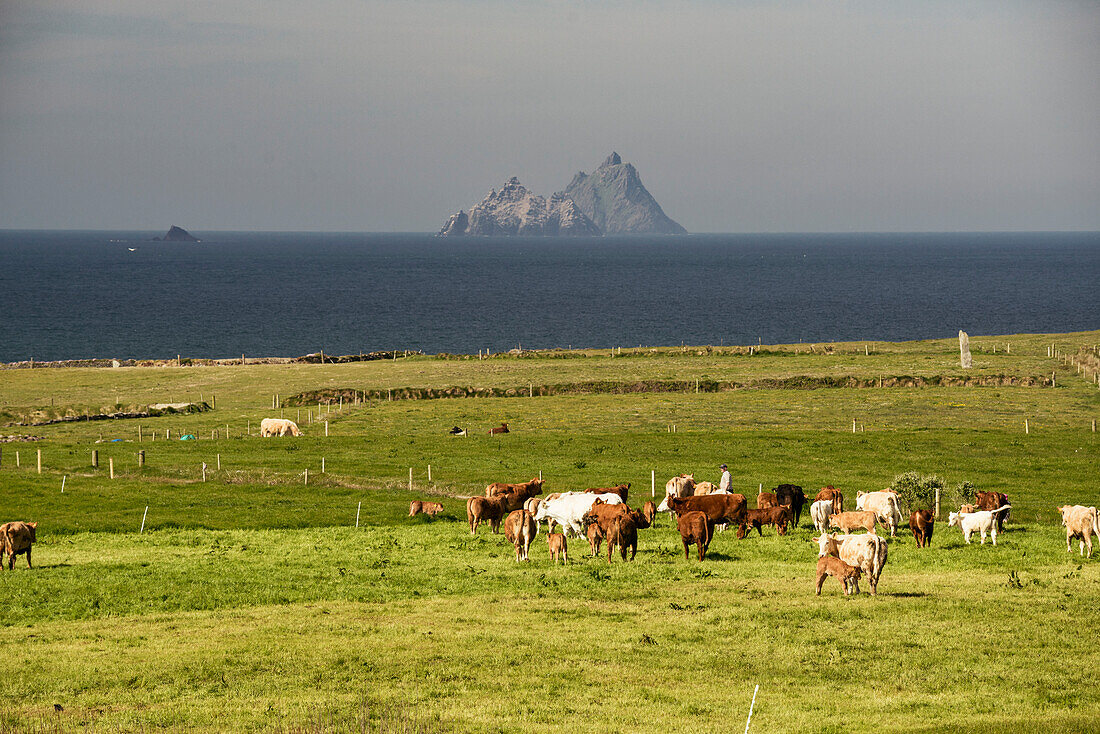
(251, 602)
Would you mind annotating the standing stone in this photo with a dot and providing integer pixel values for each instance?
(964, 351)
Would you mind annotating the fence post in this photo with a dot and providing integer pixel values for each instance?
(410, 478)
(322, 465)
(306, 482)
(1027, 429)
(429, 473)
(144, 515)
(853, 425)
(357, 509)
(95, 458)
(141, 458)
(39, 461)
(219, 462)
(652, 482)
(139, 434)
(326, 429)
(111, 464)
(937, 503)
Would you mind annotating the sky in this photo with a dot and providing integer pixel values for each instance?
(355, 115)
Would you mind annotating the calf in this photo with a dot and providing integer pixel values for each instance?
(866, 552)
(765, 500)
(624, 534)
(983, 521)
(695, 528)
(847, 575)
(777, 516)
(833, 494)
(650, 511)
(16, 538)
(558, 547)
(1080, 521)
(847, 521)
(503, 428)
(484, 509)
(921, 522)
(595, 536)
(820, 511)
(520, 529)
(430, 509)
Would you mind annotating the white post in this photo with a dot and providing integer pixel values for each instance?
(652, 482)
(306, 475)
(227, 430)
(146, 514)
(357, 509)
(853, 425)
(39, 461)
(67, 476)
(751, 706)
(429, 473)
(111, 464)
(204, 471)
(937, 502)
(219, 462)
(326, 429)
(1026, 428)
(322, 465)
(540, 475)
(410, 478)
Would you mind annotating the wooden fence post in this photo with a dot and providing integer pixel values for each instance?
(144, 515)
(39, 461)
(652, 482)
(1027, 428)
(937, 502)
(95, 458)
(141, 458)
(111, 464)
(357, 510)
(322, 465)
(326, 429)
(410, 478)
(429, 473)
(16, 459)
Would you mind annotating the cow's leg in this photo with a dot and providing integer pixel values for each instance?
(686, 556)
(28, 557)
(820, 581)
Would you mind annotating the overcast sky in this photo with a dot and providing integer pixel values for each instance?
(389, 116)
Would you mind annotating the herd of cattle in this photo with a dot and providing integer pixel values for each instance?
(700, 509)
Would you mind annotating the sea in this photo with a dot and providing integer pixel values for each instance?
(85, 294)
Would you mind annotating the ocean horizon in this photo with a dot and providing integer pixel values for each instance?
(78, 294)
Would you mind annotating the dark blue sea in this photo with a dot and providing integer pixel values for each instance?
(67, 295)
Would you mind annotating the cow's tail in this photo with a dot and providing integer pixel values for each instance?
(1002, 508)
(1096, 522)
(876, 564)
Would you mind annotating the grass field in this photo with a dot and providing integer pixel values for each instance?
(251, 602)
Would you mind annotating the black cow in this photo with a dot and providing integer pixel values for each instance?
(792, 496)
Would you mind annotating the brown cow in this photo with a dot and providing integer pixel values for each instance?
(428, 508)
(922, 522)
(484, 509)
(650, 511)
(597, 522)
(848, 521)
(15, 538)
(558, 547)
(719, 508)
(624, 534)
(622, 490)
(520, 529)
(640, 520)
(832, 493)
(777, 516)
(594, 534)
(792, 496)
(992, 501)
(530, 489)
(695, 528)
(764, 500)
(967, 509)
(502, 429)
(847, 575)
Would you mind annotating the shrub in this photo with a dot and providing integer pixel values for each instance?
(918, 492)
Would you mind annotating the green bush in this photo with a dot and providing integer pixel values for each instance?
(917, 492)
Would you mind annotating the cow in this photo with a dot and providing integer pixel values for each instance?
(720, 508)
(695, 528)
(650, 511)
(848, 521)
(624, 534)
(641, 522)
(992, 501)
(777, 516)
(558, 547)
(764, 500)
(16, 538)
(834, 494)
(884, 505)
(983, 521)
(431, 509)
(792, 496)
(922, 522)
(1081, 522)
(484, 509)
(502, 428)
(702, 488)
(681, 486)
(601, 515)
(530, 489)
(456, 431)
(532, 504)
(866, 552)
(820, 511)
(569, 509)
(967, 508)
(594, 534)
(520, 529)
(278, 427)
(847, 575)
(622, 490)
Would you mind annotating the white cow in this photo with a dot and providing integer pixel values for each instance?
(884, 505)
(867, 552)
(820, 512)
(982, 521)
(279, 427)
(1081, 522)
(569, 509)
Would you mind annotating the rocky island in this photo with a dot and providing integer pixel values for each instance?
(612, 200)
(177, 234)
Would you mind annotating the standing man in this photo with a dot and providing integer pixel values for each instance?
(724, 485)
